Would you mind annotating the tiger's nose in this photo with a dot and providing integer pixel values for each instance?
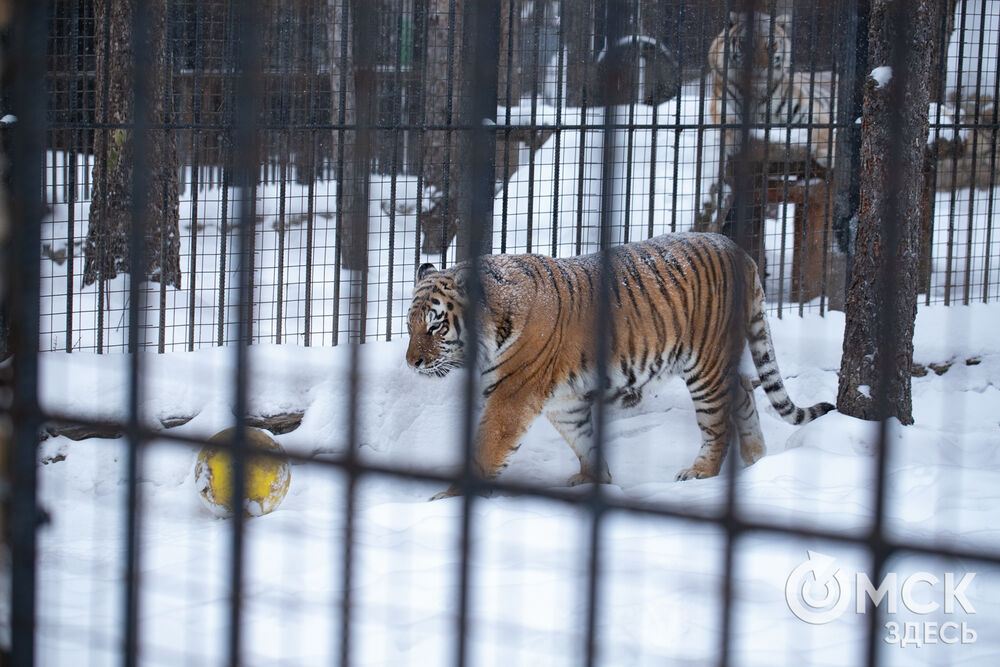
(415, 359)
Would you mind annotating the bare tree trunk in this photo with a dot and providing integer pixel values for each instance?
(442, 77)
(509, 74)
(578, 27)
(353, 176)
(882, 299)
(106, 252)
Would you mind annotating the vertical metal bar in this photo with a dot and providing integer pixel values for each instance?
(742, 188)
(361, 29)
(557, 163)
(678, 18)
(168, 120)
(782, 253)
(341, 135)
(700, 142)
(626, 203)
(892, 219)
(945, 22)
(223, 244)
(310, 216)
(141, 192)
(587, 27)
(102, 279)
(509, 69)
(974, 140)
(195, 172)
(319, 19)
(71, 180)
(26, 60)
(246, 171)
(630, 131)
(613, 76)
(280, 288)
(538, 9)
(449, 136)
(950, 253)
(227, 160)
(397, 116)
(990, 191)
(481, 29)
(420, 32)
(810, 124)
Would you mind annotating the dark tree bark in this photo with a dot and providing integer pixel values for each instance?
(441, 82)
(509, 73)
(882, 299)
(106, 252)
(350, 149)
(578, 28)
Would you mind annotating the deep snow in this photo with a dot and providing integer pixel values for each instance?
(660, 586)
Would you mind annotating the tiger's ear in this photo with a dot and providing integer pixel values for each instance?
(783, 21)
(424, 269)
(462, 277)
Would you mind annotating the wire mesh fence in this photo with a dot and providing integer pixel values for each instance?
(671, 163)
(295, 164)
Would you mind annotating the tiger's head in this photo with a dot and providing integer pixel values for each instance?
(435, 325)
(770, 51)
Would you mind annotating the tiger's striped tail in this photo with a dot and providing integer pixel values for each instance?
(762, 351)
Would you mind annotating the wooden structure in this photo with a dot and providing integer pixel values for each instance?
(785, 175)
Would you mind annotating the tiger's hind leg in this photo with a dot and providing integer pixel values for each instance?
(710, 393)
(752, 445)
(573, 420)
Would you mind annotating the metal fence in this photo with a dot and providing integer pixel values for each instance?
(671, 167)
(551, 127)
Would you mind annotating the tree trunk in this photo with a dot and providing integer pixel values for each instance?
(881, 302)
(441, 83)
(106, 252)
(578, 28)
(353, 174)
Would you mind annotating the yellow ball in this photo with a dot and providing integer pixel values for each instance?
(267, 477)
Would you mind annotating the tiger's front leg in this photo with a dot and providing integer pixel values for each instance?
(506, 417)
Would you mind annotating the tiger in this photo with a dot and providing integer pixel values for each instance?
(776, 96)
(680, 304)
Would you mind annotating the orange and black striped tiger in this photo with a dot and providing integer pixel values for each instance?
(774, 95)
(680, 304)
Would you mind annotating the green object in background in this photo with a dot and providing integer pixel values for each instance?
(406, 43)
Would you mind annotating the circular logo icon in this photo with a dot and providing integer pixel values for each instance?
(817, 591)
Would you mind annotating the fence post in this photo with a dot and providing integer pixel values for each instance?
(27, 65)
(850, 101)
(478, 113)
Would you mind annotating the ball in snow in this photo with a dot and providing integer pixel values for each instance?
(267, 477)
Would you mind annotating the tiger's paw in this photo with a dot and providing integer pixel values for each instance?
(451, 492)
(587, 478)
(694, 472)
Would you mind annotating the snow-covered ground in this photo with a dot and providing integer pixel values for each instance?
(660, 592)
